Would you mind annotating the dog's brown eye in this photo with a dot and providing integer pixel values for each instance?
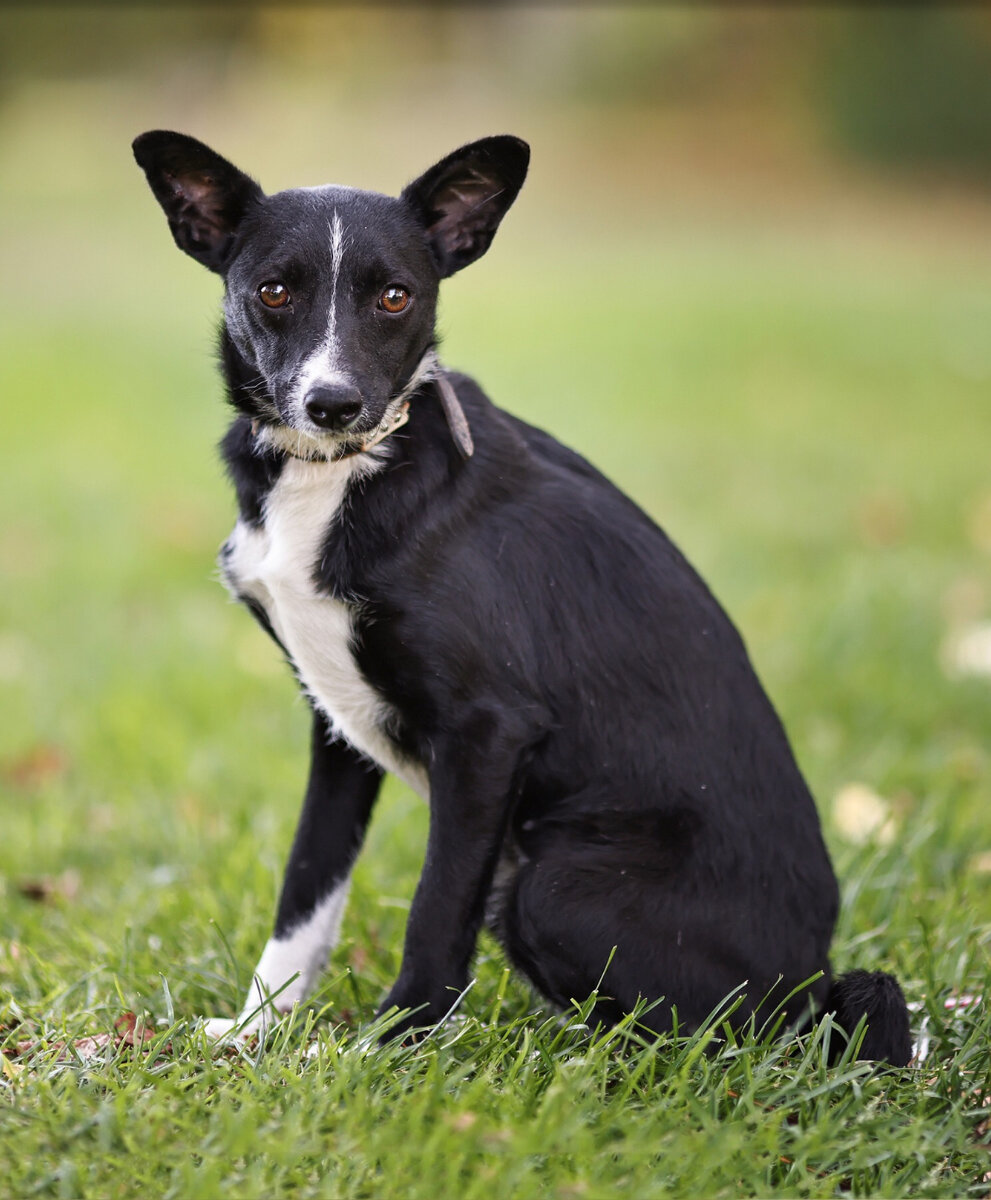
(394, 299)
(274, 295)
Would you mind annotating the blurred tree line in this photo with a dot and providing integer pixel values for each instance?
(906, 85)
(912, 86)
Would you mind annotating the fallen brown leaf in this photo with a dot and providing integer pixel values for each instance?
(35, 767)
(47, 887)
(129, 1030)
(89, 1047)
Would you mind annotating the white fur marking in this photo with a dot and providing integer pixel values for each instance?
(336, 254)
(324, 364)
(275, 566)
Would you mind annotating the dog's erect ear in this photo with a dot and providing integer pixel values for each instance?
(462, 199)
(203, 195)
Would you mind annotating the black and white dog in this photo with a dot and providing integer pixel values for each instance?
(474, 607)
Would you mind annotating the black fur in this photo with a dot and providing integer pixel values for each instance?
(607, 776)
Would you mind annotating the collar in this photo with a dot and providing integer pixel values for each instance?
(457, 422)
(380, 433)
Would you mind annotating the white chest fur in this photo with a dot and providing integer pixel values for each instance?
(275, 565)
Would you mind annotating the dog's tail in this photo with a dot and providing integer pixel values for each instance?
(876, 998)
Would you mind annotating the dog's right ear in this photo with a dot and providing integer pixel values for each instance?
(461, 200)
(203, 195)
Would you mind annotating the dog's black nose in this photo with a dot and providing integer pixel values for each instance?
(333, 406)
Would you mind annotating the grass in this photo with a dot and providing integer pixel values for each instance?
(810, 422)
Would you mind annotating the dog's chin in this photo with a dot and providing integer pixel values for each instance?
(314, 445)
(307, 445)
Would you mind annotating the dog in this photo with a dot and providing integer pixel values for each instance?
(472, 606)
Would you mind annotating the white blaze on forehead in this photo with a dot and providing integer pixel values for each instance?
(324, 364)
(336, 254)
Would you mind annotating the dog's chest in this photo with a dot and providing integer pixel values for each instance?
(275, 566)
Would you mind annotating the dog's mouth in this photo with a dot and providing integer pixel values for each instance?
(300, 439)
(299, 443)
(319, 446)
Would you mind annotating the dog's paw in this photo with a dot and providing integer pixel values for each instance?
(225, 1029)
(424, 1012)
(218, 1028)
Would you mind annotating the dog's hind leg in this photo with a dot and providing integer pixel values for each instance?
(339, 796)
(582, 917)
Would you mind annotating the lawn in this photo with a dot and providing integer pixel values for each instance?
(807, 414)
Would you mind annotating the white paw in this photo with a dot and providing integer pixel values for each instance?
(224, 1029)
(253, 1022)
(218, 1028)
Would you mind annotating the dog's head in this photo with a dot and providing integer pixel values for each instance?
(330, 292)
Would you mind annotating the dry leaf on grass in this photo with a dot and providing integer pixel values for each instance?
(88, 1047)
(129, 1030)
(84, 1048)
(34, 767)
(47, 888)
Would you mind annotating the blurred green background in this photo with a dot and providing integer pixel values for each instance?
(749, 277)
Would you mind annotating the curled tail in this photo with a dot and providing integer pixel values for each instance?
(878, 998)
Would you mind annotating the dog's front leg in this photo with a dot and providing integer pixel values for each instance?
(339, 796)
(471, 788)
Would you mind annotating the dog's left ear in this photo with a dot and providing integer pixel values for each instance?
(203, 195)
(461, 200)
